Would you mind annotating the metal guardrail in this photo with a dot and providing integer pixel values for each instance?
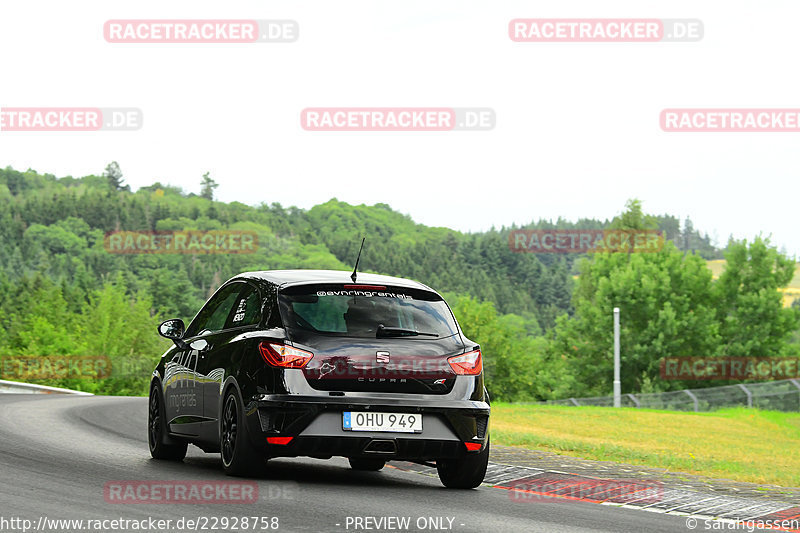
(783, 395)
(16, 387)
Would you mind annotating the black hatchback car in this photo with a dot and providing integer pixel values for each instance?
(309, 363)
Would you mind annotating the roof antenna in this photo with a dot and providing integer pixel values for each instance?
(353, 275)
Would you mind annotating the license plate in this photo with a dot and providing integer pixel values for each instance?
(391, 422)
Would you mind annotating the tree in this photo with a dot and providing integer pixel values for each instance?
(671, 227)
(753, 321)
(122, 329)
(691, 240)
(666, 311)
(634, 217)
(687, 235)
(670, 307)
(207, 186)
(512, 359)
(114, 176)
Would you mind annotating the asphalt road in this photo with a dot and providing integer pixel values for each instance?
(57, 453)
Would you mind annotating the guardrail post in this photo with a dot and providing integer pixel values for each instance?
(795, 383)
(634, 399)
(749, 394)
(694, 399)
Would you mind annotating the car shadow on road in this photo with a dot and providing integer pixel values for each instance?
(303, 471)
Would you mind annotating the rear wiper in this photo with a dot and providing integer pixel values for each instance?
(383, 331)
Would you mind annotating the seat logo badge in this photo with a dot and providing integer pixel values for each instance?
(439, 382)
(382, 357)
(326, 369)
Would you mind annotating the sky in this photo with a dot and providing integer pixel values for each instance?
(577, 129)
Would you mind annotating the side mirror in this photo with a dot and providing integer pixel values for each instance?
(172, 329)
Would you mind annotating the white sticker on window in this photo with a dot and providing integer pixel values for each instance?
(239, 316)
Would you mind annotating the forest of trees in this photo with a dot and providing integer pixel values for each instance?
(542, 319)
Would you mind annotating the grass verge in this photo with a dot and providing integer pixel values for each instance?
(740, 444)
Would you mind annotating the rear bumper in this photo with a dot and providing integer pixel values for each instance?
(315, 425)
(395, 448)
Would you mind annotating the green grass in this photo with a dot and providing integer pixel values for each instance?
(739, 444)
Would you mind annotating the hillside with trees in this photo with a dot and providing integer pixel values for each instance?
(542, 319)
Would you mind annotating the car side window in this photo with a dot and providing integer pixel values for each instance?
(248, 308)
(216, 312)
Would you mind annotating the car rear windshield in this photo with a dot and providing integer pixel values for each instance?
(366, 312)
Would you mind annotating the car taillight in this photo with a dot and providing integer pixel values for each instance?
(471, 446)
(468, 364)
(284, 356)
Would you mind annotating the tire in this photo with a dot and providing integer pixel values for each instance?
(161, 445)
(239, 457)
(464, 473)
(366, 464)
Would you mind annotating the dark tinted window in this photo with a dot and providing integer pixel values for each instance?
(359, 313)
(215, 313)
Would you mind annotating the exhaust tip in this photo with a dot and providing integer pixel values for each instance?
(381, 446)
